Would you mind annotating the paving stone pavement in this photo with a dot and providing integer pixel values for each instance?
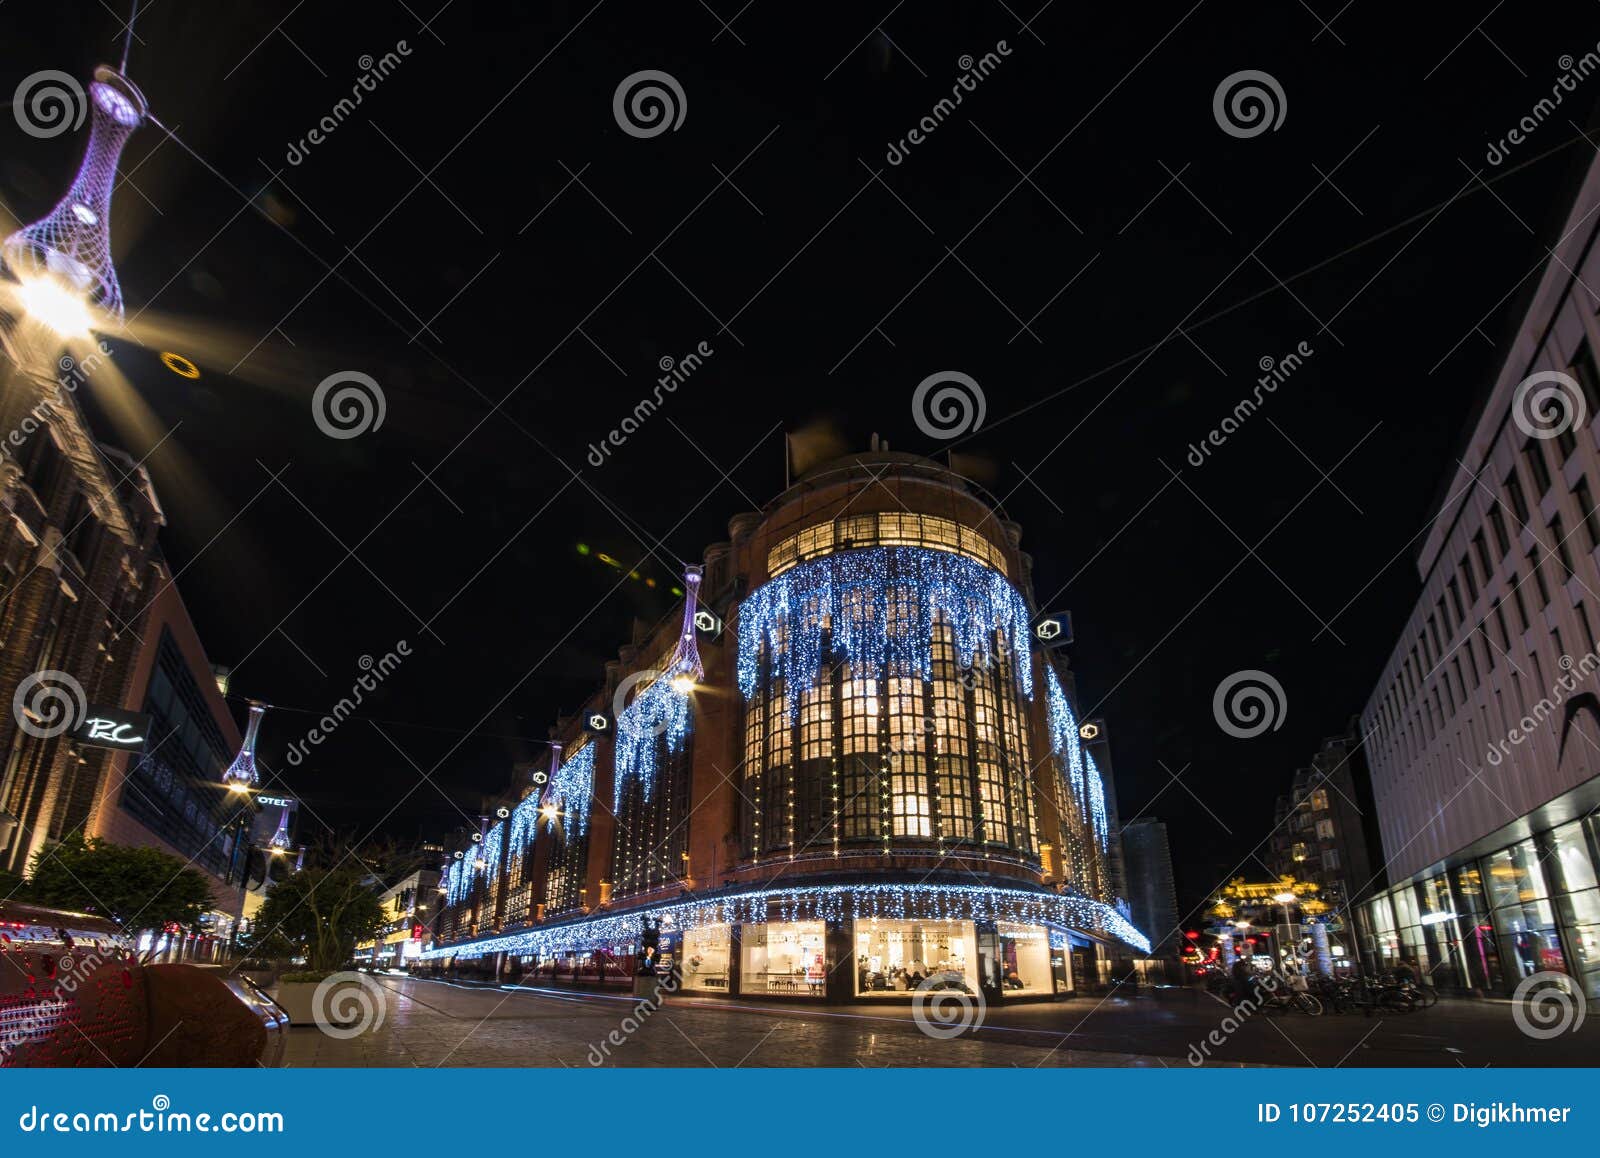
(431, 1023)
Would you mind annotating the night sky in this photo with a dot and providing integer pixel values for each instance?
(1080, 236)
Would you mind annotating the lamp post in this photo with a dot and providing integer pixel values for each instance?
(1285, 899)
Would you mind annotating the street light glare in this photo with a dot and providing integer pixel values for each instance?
(52, 303)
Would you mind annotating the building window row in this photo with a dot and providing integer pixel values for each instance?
(885, 529)
(1457, 644)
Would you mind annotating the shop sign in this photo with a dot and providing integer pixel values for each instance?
(112, 728)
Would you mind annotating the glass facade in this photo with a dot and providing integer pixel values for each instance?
(869, 756)
(706, 953)
(894, 957)
(1487, 923)
(1024, 959)
(784, 957)
(885, 529)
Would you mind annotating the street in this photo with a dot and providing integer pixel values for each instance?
(431, 1023)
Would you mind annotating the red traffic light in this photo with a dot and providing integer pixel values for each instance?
(1192, 935)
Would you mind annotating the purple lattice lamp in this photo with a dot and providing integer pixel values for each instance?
(241, 774)
(63, 260)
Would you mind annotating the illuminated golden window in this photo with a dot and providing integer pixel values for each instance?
(885, 529)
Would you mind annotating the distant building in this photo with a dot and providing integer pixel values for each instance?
(1324, 828)
(1152, 893)
(410, 907)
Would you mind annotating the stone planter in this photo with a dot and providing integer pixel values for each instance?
(299, 999)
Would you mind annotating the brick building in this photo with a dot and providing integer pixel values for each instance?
(89, 618)
(871, 778)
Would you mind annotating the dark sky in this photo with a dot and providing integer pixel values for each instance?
(1084, 188)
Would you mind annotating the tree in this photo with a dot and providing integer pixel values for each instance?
(138, 888)
(12, 887)
(321, 913)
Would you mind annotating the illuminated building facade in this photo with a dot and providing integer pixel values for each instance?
(1483, 732)
(90, 619)
(845, 768)
(409, 906)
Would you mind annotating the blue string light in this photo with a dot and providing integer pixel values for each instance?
(460, 882)
(881, 605)
(524, 824)
(572, 788)
(1097, 801)
(1062, 911)
(492, 845)
(1064, 741)
(661, 709)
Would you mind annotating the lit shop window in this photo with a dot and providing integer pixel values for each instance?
(784, 957)
(705, 958)
(895, 957)
(887, 529)
(1024, 958)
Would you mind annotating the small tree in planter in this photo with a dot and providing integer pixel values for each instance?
(142, 889)
(319, 914)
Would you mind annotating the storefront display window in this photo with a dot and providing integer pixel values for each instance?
(1570, 856)
(1529, 931)
(1515, 875)
(705, 958)
(784, 957)
(894, 957)
(1024, 959)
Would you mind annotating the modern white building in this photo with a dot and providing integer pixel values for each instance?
(1483, 733)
